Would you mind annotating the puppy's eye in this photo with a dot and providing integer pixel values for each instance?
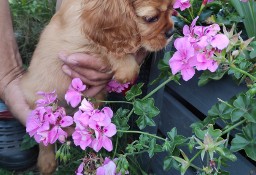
(151, 19)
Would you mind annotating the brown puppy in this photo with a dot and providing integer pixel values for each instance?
(109, 29)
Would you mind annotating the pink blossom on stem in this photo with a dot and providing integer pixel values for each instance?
(197, 49)
(108, 168)
(46, 122)
(93, 127)
(74, 94)
(83, 137)
(183, 59)
(182, 4)
(86, 106)
(114, 86)
(103, 134)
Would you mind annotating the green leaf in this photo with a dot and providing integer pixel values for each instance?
(220, 110)
(168, 146)
(226, 153)
(214, 133)
(172, 134)
(245, 107)
(176, 139)
(246, 141)
(121, 121)
(253, 54)
(239, 142)
(28, 142)
(169, 163)
(134, 92)
(206, 76)
(153, 148)
(146, 110)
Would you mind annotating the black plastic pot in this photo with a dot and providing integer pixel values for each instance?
(12, 157)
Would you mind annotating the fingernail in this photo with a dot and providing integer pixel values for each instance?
(66, 70)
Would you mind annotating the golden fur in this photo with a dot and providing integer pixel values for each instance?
(109, 29)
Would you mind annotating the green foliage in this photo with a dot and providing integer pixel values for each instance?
(29, 18)
(28, 142)
(134, 92)
(146, 110)
(121, 120)
(246, 140)
(248, 13)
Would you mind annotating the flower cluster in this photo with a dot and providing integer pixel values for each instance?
(197, 49)
(114, 86)
(46, 122)
(93, 127)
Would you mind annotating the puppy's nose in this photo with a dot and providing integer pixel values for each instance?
(169, 33)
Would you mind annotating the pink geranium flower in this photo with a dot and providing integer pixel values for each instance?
(114, 86)
(103, 134)
(183, 59)
(74, 93)
(86, 106)
(46, 122)
(197, 49)
(108, 168)
(93, 127)
(182, 4)
(83, 137)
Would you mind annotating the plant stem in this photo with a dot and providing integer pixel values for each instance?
(158, 87)
(233, 127)
(229, 105)
(196, 167)
(243, 72)
(191, 14)
(114, 155)
(228, 135)
(113, 101)
(183, 18)
(195, 156)
(131, 154)
(129, 115)
(140, 132)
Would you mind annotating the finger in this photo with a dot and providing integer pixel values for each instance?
(85, 61)
(91, 92)
(91, 79)
(91, 74)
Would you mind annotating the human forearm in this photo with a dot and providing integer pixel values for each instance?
(10, 61)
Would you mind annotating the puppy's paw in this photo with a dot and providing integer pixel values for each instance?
(46, 161)
(127, 71)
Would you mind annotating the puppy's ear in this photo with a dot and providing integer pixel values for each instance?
(110, 23)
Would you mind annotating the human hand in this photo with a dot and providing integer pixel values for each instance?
(92, 71)
(15, 101)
